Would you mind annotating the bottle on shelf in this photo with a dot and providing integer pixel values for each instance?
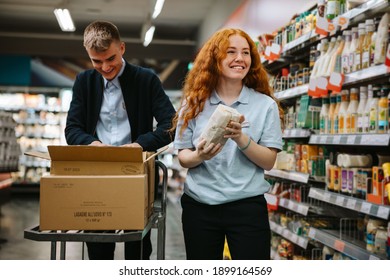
(366, 55)
(352, 48)
(323, 67)
(332, 9)
(332, 106)
(351, 124)
(324, 115)
(345, 54)
(317, 65)
(381, 39)
(342, 112)
(383, 110)
(366, 114)
(335, 61)
(360, 110)
(335, 116)
(359, 49)
(374, 109)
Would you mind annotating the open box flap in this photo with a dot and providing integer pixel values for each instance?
(95, 153)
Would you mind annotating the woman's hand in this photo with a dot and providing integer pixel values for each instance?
(234, 132)
(206, 153)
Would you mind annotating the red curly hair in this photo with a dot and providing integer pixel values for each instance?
(202, 79)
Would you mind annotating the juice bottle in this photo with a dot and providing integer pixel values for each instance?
(353, 47)
(324, 115)
(383, 110)
(345, 54)
(366, 55)
(335, 116)
(342, 112)
(374, 109)
(351, 124)
(366, 114)
(332, 106)
(359, 50)
(360, 110)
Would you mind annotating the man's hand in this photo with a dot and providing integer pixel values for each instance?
(133, 145)
(97, 143)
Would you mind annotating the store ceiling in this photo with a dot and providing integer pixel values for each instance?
(29, 27)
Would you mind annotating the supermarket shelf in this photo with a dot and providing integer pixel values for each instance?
(375, 71)
(296, 133)
(288, 234)
(297, 207)
(355, 204)
(288, 175)
(342, 246)
(351, 139)
(292, 92)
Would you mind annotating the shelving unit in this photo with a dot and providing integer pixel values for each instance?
(39, 113)
(331, 203)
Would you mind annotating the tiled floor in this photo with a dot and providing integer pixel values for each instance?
(22, 212)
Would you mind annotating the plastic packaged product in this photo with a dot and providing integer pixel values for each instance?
(381, 39)
(347, 160)
(219, 120)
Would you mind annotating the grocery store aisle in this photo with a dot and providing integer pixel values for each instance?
(22, 211)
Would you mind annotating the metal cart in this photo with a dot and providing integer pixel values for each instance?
(157, 220)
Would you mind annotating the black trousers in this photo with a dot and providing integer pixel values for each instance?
(244, 223)
(105, 251)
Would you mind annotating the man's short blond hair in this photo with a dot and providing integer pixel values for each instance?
(99, 35)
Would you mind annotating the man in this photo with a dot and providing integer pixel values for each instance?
(115, 104)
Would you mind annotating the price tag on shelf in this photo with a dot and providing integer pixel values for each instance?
(340, 200)
(351, 203)
(337, 139)
(351, 139)
(387, 61)
(336, 81)
(321, 86)
(311, 91)
(327, 196)
(339, 245)
(366, 207)
(322, 26)
(322, 140)
(294, 238)
(383, 212)
(332, 29)
(312, 233)
(302, 242)
(343, 22)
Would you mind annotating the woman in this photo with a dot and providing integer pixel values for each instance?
(225, 186)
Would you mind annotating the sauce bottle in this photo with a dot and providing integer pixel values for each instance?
(351, 124)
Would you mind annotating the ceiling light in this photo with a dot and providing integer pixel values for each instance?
(64, 20)
(157, 8)
(149, 36)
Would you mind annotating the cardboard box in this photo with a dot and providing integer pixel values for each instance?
(93, 202)
(81, 160)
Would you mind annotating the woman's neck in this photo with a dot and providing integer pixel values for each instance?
(229, 91)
